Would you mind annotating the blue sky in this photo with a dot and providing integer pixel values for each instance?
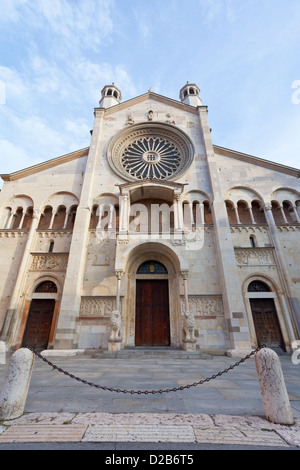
(56, 56)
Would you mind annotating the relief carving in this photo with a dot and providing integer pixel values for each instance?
(204, 306)
(254, 256)
(97, 306)
(55, 262)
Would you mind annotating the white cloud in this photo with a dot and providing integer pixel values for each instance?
(73, 26)
(15, 87)
(10, 10)
(96, 75)
(215, 9)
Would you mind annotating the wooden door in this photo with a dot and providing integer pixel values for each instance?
(266, 323)
(152, 327)
(39, 323)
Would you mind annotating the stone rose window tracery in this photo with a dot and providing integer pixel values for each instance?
(151, 151)
(151, 158)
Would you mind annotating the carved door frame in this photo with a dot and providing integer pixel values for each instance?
(280, 304)
(146, 253)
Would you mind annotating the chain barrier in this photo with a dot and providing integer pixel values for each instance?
(146, 392)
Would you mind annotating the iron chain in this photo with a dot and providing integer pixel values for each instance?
(146, 392)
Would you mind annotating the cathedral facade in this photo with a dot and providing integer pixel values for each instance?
(152, 237)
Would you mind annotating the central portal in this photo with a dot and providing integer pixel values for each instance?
(152, 326)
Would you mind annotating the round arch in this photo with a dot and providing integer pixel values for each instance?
(266, 312)
(160, 253)
(41, 307)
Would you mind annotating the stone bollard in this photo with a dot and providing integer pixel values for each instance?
(16, 384)
(272, 386)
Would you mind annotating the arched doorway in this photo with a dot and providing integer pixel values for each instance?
(152, 323)
(40, 316)
(265, 319)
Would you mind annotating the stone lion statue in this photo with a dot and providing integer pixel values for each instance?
(115, 326)
(189, 326)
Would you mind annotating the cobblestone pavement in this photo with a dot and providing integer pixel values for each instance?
(227, 410)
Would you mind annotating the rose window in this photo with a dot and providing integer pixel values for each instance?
(152, 152)
(151, 158)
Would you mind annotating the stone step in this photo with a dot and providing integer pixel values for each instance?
(151, 353)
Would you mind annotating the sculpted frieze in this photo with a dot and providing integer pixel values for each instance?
(254, 256)
(51, 261)
(97, 306)
(205, 305)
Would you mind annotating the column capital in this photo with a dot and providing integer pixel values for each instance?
(267, 206)
(36, 213)
(119, 274)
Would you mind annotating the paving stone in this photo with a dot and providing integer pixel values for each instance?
(42, 418)
(139, 433)
(255, 422)
(292, 437)
(165, 419)
(43, 433)
(235, 436)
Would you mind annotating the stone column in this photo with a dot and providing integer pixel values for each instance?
(180, 213)
(100, 212)
(119, 275)
(10, 220)
(66, 218)
(236, 326)
(236, 214)
(124, 212)
(175, 206)
(296, 214)
(52, 219)
(189, 340)
(201, 210)
(251, 213)
(191, 214)
(283, 213)
(282, 267)
(111, 217)
(298, 209)
(22, 219)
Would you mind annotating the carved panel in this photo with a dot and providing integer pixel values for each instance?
(255, 256)
(205, 306)
(98, 306)
(49, 262)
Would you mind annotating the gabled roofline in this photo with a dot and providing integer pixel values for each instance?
(154, 96)
(45, 165)
(257, 161)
